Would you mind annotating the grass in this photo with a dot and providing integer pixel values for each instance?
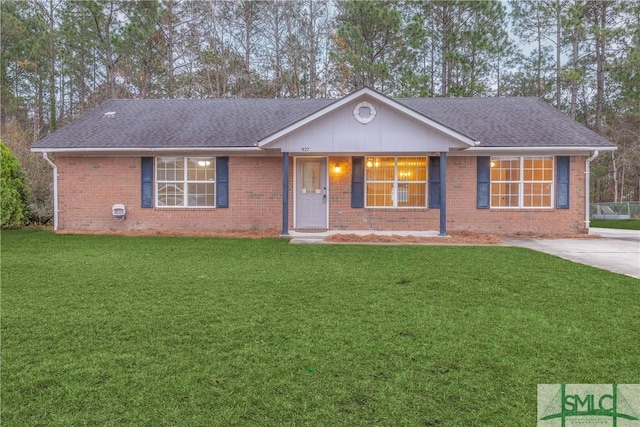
(625, 224)
(166, 331)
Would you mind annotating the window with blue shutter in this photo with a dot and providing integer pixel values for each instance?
(484, 182)
(146, 182)
(434, 182)
(222, 181)
(562, 182)
(357, 182)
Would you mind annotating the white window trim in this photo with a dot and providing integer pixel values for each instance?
(185, 181)
(521, 183)
(394, 185)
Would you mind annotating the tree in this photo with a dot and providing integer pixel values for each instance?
(463, 45)
(371, 44)
(13, 191)
(574, 30)
(143, 50)
(540, 22)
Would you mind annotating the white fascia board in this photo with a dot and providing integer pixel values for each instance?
(145, 150)
(264, 143)
(533, 150)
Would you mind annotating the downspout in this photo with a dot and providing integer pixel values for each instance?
(55, 189)
(587, 219)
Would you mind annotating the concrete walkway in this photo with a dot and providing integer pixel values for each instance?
(616, 250)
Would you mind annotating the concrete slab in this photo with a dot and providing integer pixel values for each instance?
(616, 250)
(613, 233)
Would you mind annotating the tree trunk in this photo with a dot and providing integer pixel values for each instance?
(52, 69)
(574, 62)
(313, 72)
(171, 34)
(614, 164)
(558, 52)
(539, 64)
(600, 19)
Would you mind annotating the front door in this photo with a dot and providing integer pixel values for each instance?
(311, 193)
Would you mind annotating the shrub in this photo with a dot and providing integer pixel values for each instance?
(13, 191)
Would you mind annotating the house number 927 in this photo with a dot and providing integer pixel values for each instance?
(305, 148)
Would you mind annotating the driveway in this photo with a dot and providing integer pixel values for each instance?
(616, 250)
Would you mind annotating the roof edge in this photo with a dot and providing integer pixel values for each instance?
(143, 149)
(543, 148)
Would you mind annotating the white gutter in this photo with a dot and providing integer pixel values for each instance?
(45, 156)
(587, 171)
(553, 149)
(143, 150)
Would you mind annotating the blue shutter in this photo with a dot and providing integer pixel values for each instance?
(434, 182)
(562, 182)
(146, 167)
(357, 182)
(484, 182)
(222, 182)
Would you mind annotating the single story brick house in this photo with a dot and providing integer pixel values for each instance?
(361, 162)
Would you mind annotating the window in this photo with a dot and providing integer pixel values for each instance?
(521, 182)
(186, 181)
(398, 182)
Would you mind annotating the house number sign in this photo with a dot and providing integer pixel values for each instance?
(361, 110)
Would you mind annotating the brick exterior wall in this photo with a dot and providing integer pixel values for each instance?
(89, 186)
(462, 214)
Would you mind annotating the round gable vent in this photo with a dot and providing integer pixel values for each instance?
(364, 112)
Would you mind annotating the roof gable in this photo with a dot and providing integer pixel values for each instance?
(385, 126)
(367, 95)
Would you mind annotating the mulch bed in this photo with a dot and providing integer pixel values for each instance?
(455, 237)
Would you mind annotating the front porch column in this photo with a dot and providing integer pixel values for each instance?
(443, 193)
(285, 194)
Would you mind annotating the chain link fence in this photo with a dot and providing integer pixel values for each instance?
(619, 210)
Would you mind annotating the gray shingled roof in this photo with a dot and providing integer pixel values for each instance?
(508, 121)
(153, 123)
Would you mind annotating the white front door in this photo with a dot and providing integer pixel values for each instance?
(311, 193)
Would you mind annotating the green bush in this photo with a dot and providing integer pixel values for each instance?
(13, 191)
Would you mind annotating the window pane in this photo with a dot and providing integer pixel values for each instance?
(185, 181)
(311, 176)
(170, 169)
(537, 195)
(201, 194)
(380, 168)
(505, 169)
(412, 195)
(170, 194)
(504, 194)
(412, 168)
(538, 168)
(201, 169)
(379, 195)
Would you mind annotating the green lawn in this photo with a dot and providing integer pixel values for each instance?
(169, 331)
(625, 224)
